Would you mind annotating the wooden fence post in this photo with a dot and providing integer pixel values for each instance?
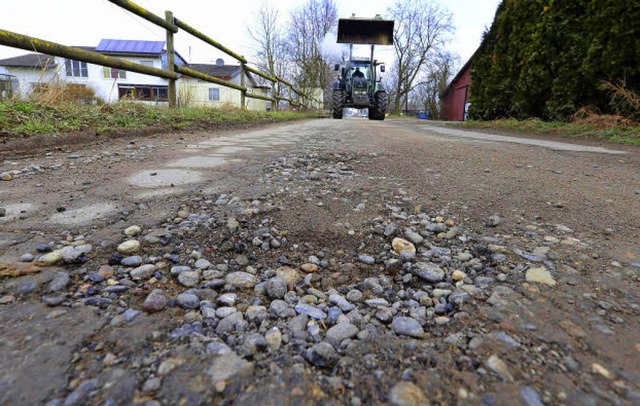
(243, 93)
(171, 60)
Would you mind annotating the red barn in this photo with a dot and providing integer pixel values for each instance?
(456, 96)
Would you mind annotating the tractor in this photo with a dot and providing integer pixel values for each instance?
(358, 85)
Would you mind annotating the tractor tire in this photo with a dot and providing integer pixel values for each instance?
(379, 109)
(338, 104)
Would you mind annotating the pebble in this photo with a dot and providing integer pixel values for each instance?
(458, 275)
(51, 258)
(400, 244)
(131, 314)
(132, 231)
(188, 301)
(131, 261)
(143, 272)
(202, 264)
(3, 212)
(493, 221)
(341, 302)
(189, 279)
(27, 257)
(6, 299)
(43, 248)
(310, 268)
(354, 295)
(530, 397)
(289, 275)
(321, 355)
(499, 367)
(229, 366)
(241, 279)
(428, 271)
(129, 247)
(276, 288)
(274, 339)
(155, 301)
(228, 299)
(310, 311)
(407, 326)
(414, 237)
(406, 393)
(540, 275)
(340, 332)
(367, 259)
(59, 281)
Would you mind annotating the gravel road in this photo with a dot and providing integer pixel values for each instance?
(333, 262)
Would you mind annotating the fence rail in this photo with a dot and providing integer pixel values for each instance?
(172, 26)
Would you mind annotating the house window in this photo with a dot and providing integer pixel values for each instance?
(214, 94)
(113, 73)
(143, 92)
(76, 68)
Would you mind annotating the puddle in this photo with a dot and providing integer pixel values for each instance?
(164, 178)
(231, 150)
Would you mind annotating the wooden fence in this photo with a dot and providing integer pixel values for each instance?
(172, 26)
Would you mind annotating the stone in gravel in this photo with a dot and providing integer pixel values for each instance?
(189, 279)
(241, 279)
(298, 326)
(256, 314)
(341, 302)
(51, 301)
(367, 259)
(232, 323)
(406, 393)
(530, 397)
(498, 366)
(321, 355)
(155, 302)
(336, 334)
(131, 314)
(51, 258)
(276, 288)
(43, 248)
(224, 311)
(143, 272)
(310, 268)
(59, 281)
(458, 275)
(188, 301)
(493, 221)
(178, 269)
(354, 295)
(229, 366)
(228, 299)
(208, 312)
(288, 274)
(281, 309)
(3, 212)
(132, 231)
(202, 264)
(6, 299)
(400, 244)
(452, 233)
(377, 302)
(152, 384)
(129, 247)
(131, 261)
(310, 311)
(80, 396)
(414, 237)
(428, 271)
(540, 275)
(27, 257)
(274, 339)
(407, 326)
(101, 302)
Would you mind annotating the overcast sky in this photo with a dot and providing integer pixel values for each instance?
(85, 22)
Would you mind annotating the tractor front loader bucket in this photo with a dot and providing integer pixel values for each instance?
(374, 31)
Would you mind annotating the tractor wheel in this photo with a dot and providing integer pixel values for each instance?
(379, 109)
(338, 103)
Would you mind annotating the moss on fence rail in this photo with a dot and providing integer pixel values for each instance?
(26, 118)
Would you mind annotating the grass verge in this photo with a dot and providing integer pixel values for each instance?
(29, 118)
(605, 128)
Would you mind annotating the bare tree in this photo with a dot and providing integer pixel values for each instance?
(309, 26)
(269, 40)
(431, 84)
(421, 29)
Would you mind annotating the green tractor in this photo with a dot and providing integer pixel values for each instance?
(358, 85)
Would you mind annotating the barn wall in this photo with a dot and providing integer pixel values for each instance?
(454, 102)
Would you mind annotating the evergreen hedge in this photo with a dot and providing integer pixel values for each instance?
(549, 58)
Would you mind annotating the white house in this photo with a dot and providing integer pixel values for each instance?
(38, 70)
(202, 93)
